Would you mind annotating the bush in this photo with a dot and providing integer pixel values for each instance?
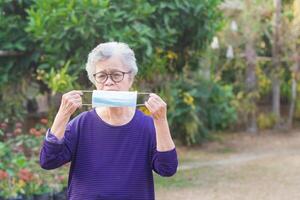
(20, 172)
(266, 121)
(18, 62)
(199, 107)
(144, 25)
(47, 35)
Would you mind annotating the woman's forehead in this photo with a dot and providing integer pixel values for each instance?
(111, 64)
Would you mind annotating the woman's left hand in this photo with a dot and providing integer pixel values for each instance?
(158, 110)
(157, 107)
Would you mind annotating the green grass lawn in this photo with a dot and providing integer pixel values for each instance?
(182, 179)
(193, 177)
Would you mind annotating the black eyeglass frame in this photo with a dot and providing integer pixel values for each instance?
(110, 76)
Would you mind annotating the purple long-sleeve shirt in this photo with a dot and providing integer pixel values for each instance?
(109, 162)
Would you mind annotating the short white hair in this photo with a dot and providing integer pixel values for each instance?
(106, 50)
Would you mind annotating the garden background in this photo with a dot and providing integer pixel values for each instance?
(228, 70)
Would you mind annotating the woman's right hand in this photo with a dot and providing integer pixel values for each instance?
(70, 101)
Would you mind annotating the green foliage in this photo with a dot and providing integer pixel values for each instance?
(66, 30)
(220, 112)
(47, 34)
(14, 41)
(263, 81)
(4, 155)
(53, 38)
(17, 63)
(198, 107)
(255, 27)
(58, 80)
(142, 24)
(11, 103)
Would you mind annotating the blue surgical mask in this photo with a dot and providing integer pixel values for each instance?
(101, 98)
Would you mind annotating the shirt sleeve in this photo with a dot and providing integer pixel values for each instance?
(50, 137)
(164, 163)
(54, 152)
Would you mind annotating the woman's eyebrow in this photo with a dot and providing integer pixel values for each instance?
(111, 69)
(96, 72)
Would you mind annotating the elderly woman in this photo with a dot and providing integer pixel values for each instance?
(112, 150)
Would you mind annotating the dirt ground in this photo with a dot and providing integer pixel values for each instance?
(238, 167)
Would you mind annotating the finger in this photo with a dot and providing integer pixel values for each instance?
(70, 107)
(75, 92)
(155, 101)
(77, 103)
(78, 97)
(76, 100)
(154, 95)
(69, 100)
(158, 107)
(152, 104)
(149, 107)
(74, 95)
(158, 98)
(152, 110)
(73, 101)
(67, 96)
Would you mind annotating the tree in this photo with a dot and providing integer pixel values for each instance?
(167, 37)
(68, 30)
(294, 34)
(17, 59)
(276, 47)
(247, 27)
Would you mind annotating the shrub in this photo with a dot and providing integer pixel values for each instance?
(266, 121)
(199, 107)
(20, 172)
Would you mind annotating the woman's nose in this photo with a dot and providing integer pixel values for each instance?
(109, 81)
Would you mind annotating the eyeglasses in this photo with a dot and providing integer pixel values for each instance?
(116, 76)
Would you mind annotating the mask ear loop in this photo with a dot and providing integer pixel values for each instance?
(89, 91)
(86, 91)
(143, 93)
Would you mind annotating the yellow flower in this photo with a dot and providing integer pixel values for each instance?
(172, 55)
(188, 99)
(145, 110)
(21, 183)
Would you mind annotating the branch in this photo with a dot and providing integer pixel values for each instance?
(10, 53)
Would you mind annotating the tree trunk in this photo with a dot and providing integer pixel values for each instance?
(10, 53)
(251, 57)
(292, 106)
(251, 85)
(295, 75)
(276, 63)
(276, 96)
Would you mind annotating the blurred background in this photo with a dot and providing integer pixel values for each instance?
(229, 71)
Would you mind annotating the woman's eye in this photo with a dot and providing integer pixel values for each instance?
(101, 76)
(117, 75)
